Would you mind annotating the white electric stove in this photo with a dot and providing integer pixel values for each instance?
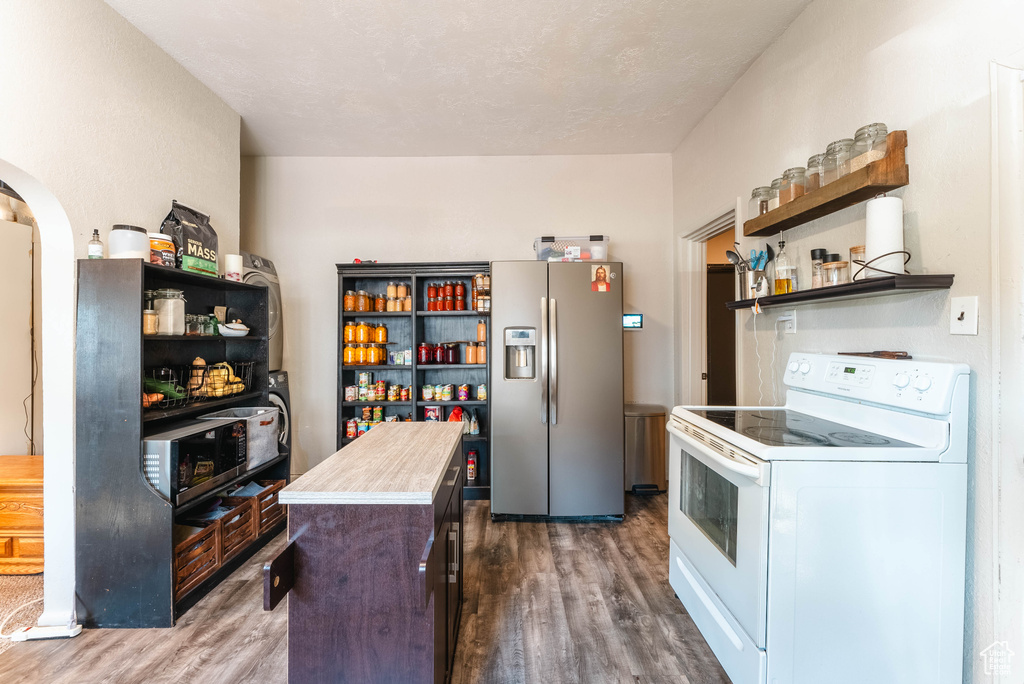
(824, 540)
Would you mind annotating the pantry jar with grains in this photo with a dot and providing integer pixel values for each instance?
(362, 332)
(773, 199)
(813, 172)
(759, 199)
(869, 144)
(363, 301)
(793, 185)
(350, 301)
(837, 160)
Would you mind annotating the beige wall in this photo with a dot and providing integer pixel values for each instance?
(307, 214)
(99, 126)
(917, 65)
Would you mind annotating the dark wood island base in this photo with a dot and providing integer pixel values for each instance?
(373, 568)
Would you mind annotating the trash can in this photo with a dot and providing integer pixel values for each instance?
(645, 449)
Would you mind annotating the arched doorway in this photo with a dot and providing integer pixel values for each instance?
(58, 361)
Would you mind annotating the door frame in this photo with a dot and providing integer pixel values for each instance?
(690, 310)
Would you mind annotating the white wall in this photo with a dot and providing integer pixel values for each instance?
(99, 127)
(308, 214)
(919, 65)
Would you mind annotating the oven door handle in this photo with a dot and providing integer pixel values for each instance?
(746, 469)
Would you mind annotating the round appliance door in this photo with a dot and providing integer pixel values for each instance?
(273, 301)
(284, 425)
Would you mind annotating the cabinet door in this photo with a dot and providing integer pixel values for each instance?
(455, 565)
(443, 547)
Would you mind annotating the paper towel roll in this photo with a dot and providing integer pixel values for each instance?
(884, 235)
(233, 267)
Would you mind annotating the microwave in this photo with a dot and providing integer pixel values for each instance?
(187, 460)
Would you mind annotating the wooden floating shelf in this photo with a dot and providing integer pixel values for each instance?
(888, 173)
(870, 287)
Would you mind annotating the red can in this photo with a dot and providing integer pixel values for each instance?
(351, 427)
(404, 394)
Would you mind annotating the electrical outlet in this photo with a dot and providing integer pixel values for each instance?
(788, 321)
(963, 316)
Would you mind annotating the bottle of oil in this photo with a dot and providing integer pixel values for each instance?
(785, 271)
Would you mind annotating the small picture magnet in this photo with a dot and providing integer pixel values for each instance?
(599, 281)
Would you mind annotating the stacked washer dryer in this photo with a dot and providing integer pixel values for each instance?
(257, 270)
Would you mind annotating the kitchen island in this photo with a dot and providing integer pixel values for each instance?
(373, 566)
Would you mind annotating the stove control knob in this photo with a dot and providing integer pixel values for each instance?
(923, 383)
(793, 366)
(902, 380)
(805, 368)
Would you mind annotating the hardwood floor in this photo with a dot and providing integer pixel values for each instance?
(544, 602)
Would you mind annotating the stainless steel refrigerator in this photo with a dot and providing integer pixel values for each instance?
(556, 389)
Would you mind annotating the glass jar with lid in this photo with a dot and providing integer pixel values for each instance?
(380, 303)
(869, 144)
(817, 271)
(836, 273)
(857, 271)
(380, 335)
(392, 290)
(149, 322)
(402, 290)
(169, 305)
(758, 204)
(424, 354)
(439, 355)
(793, 184)
(349, 355)
(773, 199)
(451, 353)
(363, 301)
(407, 303)
(813, 173)
(837, 160)
(362, 332)
(372, 355)
(360, 355)
(350, 300)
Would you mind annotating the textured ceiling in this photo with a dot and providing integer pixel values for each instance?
(464, 77)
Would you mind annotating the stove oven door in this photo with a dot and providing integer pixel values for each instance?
(718, 522)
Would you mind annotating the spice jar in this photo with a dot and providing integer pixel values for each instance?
(837, 160)
(817, 261)
(793, 184)
(857, 262)
(758, 204)
(349, 355)
(362, 332)
(350, 332)
(362, 301)
(350, 300)
(773, 198)
(451, 353)
(149, 322)
(836, 273)
(392, 290)
(424, 354)
(169, 305)
(380, 335)
(439, 355)
(470, 353)
(869, 144)
(380, 304)
(813, 173)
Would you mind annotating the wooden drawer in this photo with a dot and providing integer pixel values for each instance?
(239, 527)
(196, 556)
(29, 547)
(6, 547)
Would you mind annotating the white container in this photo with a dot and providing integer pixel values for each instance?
(170, 311)
(577, 248)
(128, 242)
(233, 267)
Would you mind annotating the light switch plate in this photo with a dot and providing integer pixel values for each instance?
(963, 316)
(787, 319)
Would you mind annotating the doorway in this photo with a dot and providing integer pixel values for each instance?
(720, 327)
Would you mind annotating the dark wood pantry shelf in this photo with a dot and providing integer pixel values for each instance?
(888, 173)
(454, 402)
(376, 314)
(202, 338)
(168, 273)
(376, 403)
(376, 368)
(478, 314)
(149, 415)
(871, 287)
(210, 496)
(449, 366)
(474, 438)
(476, 493)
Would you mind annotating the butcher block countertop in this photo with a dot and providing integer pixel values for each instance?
(394, 463)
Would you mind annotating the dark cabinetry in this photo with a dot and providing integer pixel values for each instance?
(127, 543)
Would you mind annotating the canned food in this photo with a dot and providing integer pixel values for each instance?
(365, 379)
(432, 413)
(438, 390)
(363, 393)
(428, 393)
(446, 392)
(393, 393)
(362, 428)
(391, 419)
(382, 390)
(463, 393)
(351, 392)
(367, 413)
(404, 394)
(351, 428)
(378, 414)
(481, 392)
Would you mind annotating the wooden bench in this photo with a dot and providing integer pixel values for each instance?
(21, 515)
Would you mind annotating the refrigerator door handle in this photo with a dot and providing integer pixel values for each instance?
(554, 362)
(544, 360)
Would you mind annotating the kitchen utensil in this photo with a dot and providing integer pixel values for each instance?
(734, 258)
(902, 355)
(770, 252)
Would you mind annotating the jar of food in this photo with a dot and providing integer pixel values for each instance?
(193, 326)
(869, 144)
(432, 291)
(449, 289)
(857, 262)
(424, 354)
(837, 160)
(349, 334)
(773, 198)
(404, 393)
(361, 355)
(350, 300)
(481, 331)
(451, 353)
(481, 352)
(402, 290)
(149, 322)
(432, 304)
(380, 303)
(439, 355)
(349, 355)
(362, 332)
(813, 173)
(487, 283)
(460, 303)
(380, 335)
(794, 184)
(169, 305)
(460, 290)
(758, 204)
(161, 250)
(363, 301)
(392, 290)
(449, 303)
(817, 261)
(407, 304)
(391, 304)
(470, 353)
(836, 273)
(382, 388)
(487, 302)
(372, 355)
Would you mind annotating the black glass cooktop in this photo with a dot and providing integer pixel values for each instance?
(782, 427)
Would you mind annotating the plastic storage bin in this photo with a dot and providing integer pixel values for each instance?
(581, 248)
(261, 429)
(645, 448)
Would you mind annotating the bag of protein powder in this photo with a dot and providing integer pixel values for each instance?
(195, 241)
